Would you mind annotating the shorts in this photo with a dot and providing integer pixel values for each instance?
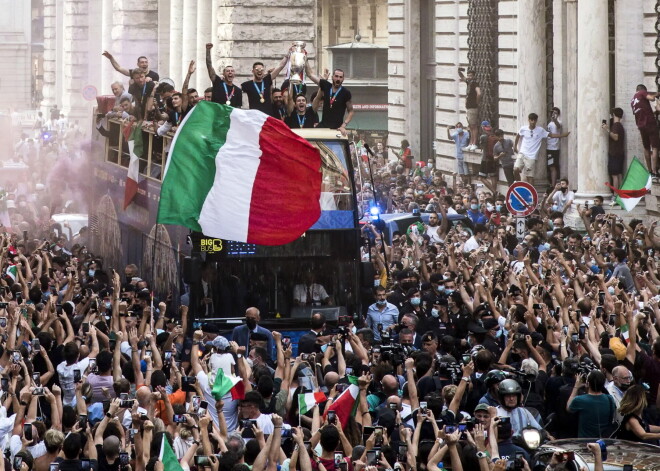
(650, 137)
(615, 164)
(461, 167)
(525, 163)
(487, 167)
(553, 158)
(473, 116)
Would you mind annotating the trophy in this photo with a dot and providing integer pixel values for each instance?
(297, 61)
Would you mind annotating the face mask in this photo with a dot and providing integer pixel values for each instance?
(415, 301)
(459, 130)
(251, 323)
(435, 313)
(250, 362)
(474, 207)
(555, 207)
(376, 282)
(440, 289)
(108, 305)
(489, 207)
(564, 190)
(430, 165)
(91, 272)
(448, 291)
(381, 302)
(625, 386)
(610, 289)
(498, 207)
(469, 341)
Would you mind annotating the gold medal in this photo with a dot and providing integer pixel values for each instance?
(262, 100)
(229, 102)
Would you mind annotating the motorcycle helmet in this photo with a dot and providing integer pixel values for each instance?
(494, 377)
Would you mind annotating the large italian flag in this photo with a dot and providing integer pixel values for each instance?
(135, 149)
(636, 184)
(240, 175)
(346, 404)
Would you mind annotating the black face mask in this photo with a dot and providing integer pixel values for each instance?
(624, 386)
(564, 190)
(251, 323)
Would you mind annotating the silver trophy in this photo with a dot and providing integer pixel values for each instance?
(297, 61)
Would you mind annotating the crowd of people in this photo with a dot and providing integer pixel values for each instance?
(473, 337)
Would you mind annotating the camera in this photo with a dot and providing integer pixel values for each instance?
(586, 366)
(187, 383)
(179, 419)
(39, 391)
(201, 461)
(450, 370)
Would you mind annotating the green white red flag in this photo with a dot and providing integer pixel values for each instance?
(636, 184)
(240, 175)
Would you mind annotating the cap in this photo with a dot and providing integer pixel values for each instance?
(429, 337)
(485, 125)
(490, 323)
(220, 343)
(474, 328)
(483, 406)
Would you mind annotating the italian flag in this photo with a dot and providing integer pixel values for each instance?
(240, 175)
(135, 149)
(636, 184)
(346, 404)
(167, 456)
(224, 384)
(12, 272)
(307, 401)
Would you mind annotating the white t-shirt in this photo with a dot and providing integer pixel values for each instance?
(471, 244)
(552, 142)
(560, 199)
(65, 373)
(530, 141)
(230, 407)
(432, 232)
(221, 360)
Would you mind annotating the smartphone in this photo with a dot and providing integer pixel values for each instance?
(36, 344)
(582, 332)
(77, 376)
(16, 357)
(4, 383)
(143, 413)
(179, 419)
(3, 320)
(201, 461)
(332, 417)
(286, 342)
(92, 366)
(378, 435)
(195, 403)
(54, 467)
(466, 359)
(338, 458)
(18, 463)
(82, 421)
(422, 407)
(27, 432)
(201, 410)
(341, 387)
(147, 353)
(132, 432)
(168, 357)
(85, 465)
(537, 306)
(187, 383)
(402, 453)
(371, 458)
(574, 338)
(124, 459)
(286, 432)
(85, 328)
(36, 377)
(601, 298)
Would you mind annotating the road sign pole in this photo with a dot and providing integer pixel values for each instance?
(521, 225)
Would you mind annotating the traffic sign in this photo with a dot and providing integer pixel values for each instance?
(520, 228)
(89, 92)
(521, 199)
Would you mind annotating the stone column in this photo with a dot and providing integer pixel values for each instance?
(201, 79)
(76, 59)
(262, 30)
(531, 71)
(108, 73)
(188, 49)
(50, 44)
(164, 10)
(135, 32)
(176, 40)
(629, 67)
(593, 97)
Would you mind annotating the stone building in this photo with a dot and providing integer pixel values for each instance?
(584, 57)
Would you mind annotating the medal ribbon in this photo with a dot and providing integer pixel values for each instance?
(260, 92)
(233, 90)
(333, 97)
(301, 123)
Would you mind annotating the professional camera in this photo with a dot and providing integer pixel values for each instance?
(447, 369)
(522, 376)
(586, 366)
(395, 354)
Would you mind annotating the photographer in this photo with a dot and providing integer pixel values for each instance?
(595, 410)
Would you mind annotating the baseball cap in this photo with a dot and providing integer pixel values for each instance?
(482, 406)
(486, 125)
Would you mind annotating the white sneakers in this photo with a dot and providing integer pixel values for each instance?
(471, 148)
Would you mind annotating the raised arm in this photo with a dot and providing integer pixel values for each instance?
(312, 76)
(276, 71)
(116, 65)
(209, 63)
(184, 88)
